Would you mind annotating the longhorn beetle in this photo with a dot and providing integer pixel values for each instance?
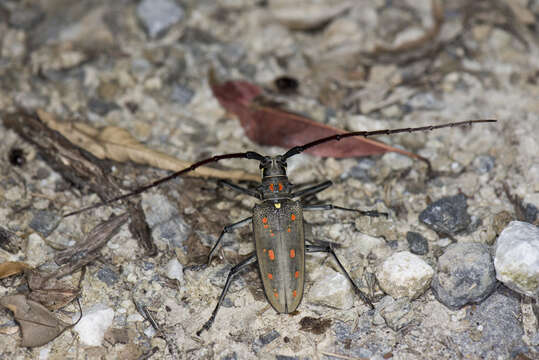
(278, 222)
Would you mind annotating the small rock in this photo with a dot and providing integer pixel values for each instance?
(417, 243)
(175, 270)
(331, 289)
(159, 15)
(447, 215)
(165, 220)
(95, 321)
(396, 313)
(44, 222)
(483, 164)
(265, 339)
(530, 213)
(107, 275)
(517, 258)
(465, 275)
(182, 94)
(101, 107)
(495, 329)
(231, 356)
(404, 275)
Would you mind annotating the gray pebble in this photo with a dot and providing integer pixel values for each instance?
(530, 213)
(181, 94)
(44, 221)
(495, 330)
(107, 275)
(396, 313)
(465, 275)
(232, 356)
(417, 243)
(447, 215)
(265, 339)
(101, 107)
(483, 164)
(159, 15)
(361, 170)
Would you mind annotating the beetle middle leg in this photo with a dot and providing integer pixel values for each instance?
(372, 213)
(226, 229)
(328, 249)
(251, 259)
(311, 190)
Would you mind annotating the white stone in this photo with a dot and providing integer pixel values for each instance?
(404, 275)
(91, 328)
(175, 270)
(517, 258)
(331, 289)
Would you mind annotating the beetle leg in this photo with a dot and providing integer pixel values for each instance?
(328, 249)
(240, 189)
(248, 261)
(372, 213)
(226, 229)
(311, 190)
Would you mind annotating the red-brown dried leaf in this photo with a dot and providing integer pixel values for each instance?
(270, 125)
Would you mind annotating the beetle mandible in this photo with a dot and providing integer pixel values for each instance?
(278, 222)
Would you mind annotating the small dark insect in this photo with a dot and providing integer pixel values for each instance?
(277, 223)
(286, 84)
(16, 157)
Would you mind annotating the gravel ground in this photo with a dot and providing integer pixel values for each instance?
(143, 66)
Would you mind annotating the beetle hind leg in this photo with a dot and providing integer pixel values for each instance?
(248, 261)
(328, 249)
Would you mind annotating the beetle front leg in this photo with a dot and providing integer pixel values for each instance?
(248, 261)
(372, 213)
(242, 190)
(328, 249)
(226, 229)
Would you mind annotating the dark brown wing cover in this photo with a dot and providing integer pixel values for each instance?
(280, 248)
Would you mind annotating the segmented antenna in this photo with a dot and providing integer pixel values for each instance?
(338, 137)
(293, 151)
(244, 155)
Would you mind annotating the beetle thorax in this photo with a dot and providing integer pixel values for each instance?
(275, 184)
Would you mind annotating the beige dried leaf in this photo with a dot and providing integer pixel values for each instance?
(10, 268)
(118, 144)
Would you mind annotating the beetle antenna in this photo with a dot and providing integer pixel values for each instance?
(338, 137)
(243, 155)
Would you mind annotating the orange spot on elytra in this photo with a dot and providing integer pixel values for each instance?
(276, 295)
(296, 275)
(294, 293)
(265, 220)
(266, 226)
(264, 250)
(289, 230)
(293, 217)
(292, 253)
(280, 187)
(270, 276)
(271, 187)
(271, 255)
